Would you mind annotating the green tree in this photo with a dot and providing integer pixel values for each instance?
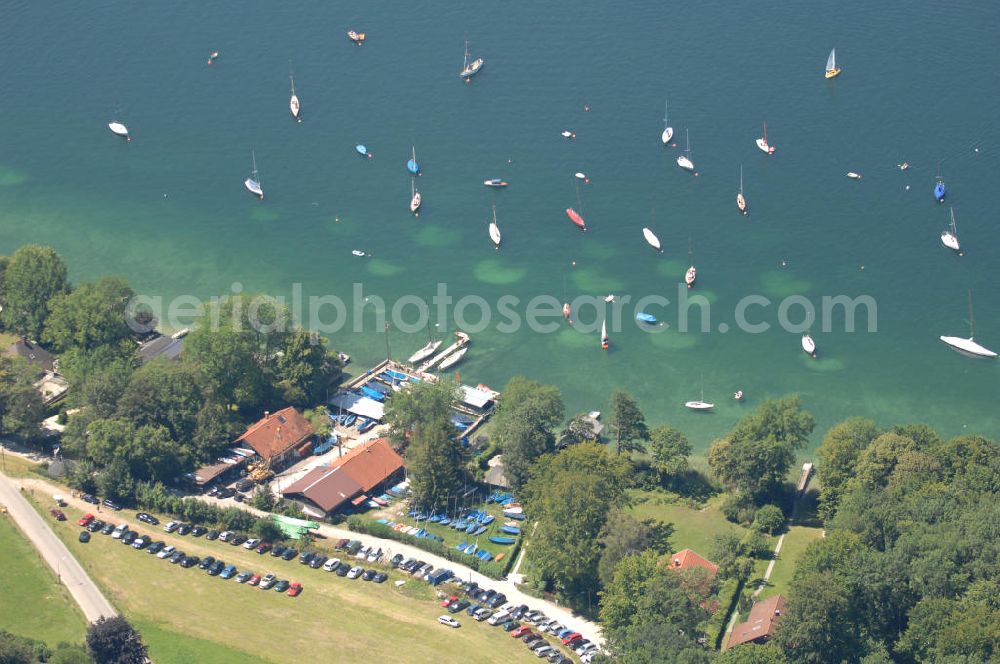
(819, 625)
(838, 454)
(91, 316)
(751, 653)
(69, 654)
(423, 405)
(670, 450)
(624, 535)
(99, 377)
(115, 641)
(570, 494)
(579, 430)
(306, 368)
(228, 361)
(754, 458)
(319, 418)
(941, 628)
(628, 424)
(33, 277)
(524, 422)
(769, 519)
(21, 408)
(165, 393)
(434, 466)
(268, 530)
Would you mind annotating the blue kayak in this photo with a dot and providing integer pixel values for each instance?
(503, 540)
(510, 530)
(645, 318)
(940, 191)
(372, 394)
(362, 150)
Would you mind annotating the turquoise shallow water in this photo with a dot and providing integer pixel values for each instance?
(170, 213)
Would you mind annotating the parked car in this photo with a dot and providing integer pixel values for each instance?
(141, 542)
(496, 600)
(90, 498)
(225, 535)
(449, 621)
(355, 572)
(380, 577)
(524, 630)
(281, 586)
(177, 557)
(58, 515)
(289, 553)
(155, 547)
(108, 529)
(212, 535)
(207, 562)
(374, 554)
(343, 570)
(229, 572)
(460, 605)
(352, 547)
(530, 638)
(198, 531)
(148, 518)
(294, 589)
(251, 543)
(254, 580)
(448, 601)
(510, 625)
(543, 651)
(84, 536)
(580, 645)
(277, 550)
(396, 560)
(331, 564)
(306, 557)
(216, 568)
(237, 539)
(243, 485)
(128, 537)
(341, 544)
(471, 611)
(268, 581)
(165, 552)
(184, 529)
(95, 525)
(189, 561)
(317, 561)
(243, 577)
(362, 553)
(263, 548)
(171, 526)
(85, 519)
(225, 492)
(569, 638)
(111, 505)
(498, 618)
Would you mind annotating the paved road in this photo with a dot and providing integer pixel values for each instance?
(54, 552)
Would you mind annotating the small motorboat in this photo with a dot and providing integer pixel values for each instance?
(690, 276)
(358, 252)
(643, 317)
(361, 149)
(575, 217)
(356, 37)
(905, 166)
(699, 405)
(940, 190)
(454, 358)
(808, 345)
(853, 175)
(566, 312)
(118, 129)
(495, 182)
(568, 134)
(425, 351)
(651, 239)
(949, 237)
(415, 201)
(212, 56)
(581, 176)
(609, 298)
(738, 395)
(762, 143)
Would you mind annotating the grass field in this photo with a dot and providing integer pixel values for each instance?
(194, 616)
(32, 604)
(797, 539)
(693, 529)
(16, 466)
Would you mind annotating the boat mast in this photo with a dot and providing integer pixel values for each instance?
(666, 114)
(972, 320)
(465, 66)
(253, 159)
(741, 178)
(687, 134)
(954, 231)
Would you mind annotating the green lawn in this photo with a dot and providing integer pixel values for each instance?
(16, 466)
(194, 617)
(694, 529)
(32, 604)
(796, 540)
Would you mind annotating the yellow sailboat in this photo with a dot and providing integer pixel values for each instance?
(832, 70)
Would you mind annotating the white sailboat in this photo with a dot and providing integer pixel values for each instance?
(684, 161)
(762, 143)
(668, 131)
(252, 183)
(808, 345)
(700, 404)
(494, 229)
(293, 102)
(470, 69)
(651, 239)
(969, 346)
(691, 274)
(832, 70)
(605, 342)
(741, 202)
(425, 351)
(415, 198)
(118, 129)
(949, 237)
(454, 358)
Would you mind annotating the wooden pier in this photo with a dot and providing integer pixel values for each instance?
(462, 340)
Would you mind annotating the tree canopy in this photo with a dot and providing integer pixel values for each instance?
(115, 641)
(90, 316)
(628, 424)
(670, 450)
(34, 275)
(419, 405)
(524, 422)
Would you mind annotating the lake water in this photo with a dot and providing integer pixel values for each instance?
(169, 211)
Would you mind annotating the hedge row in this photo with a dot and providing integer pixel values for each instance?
(729, 594)
(492, 569)
(156, 498)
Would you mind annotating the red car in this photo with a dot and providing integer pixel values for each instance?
(57, 514)
(263, 548)
(523, 630)
(254, 580)
(448, 602)
(569, 638)
(294, 589)
(85, 519)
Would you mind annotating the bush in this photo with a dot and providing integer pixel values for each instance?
(729, 594)
(769, 519)
(492, 569)
(737, 508)
(755, 544)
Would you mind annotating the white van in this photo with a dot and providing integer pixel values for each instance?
(119, 531)
(498, 618)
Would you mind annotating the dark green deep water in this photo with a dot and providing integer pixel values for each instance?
(169, 211)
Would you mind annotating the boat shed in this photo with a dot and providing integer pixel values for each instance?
(479, 400)
(359, 405)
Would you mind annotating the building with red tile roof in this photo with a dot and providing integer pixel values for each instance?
(761, 623)
(349, 478)
(688, 559)
(276, 435)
